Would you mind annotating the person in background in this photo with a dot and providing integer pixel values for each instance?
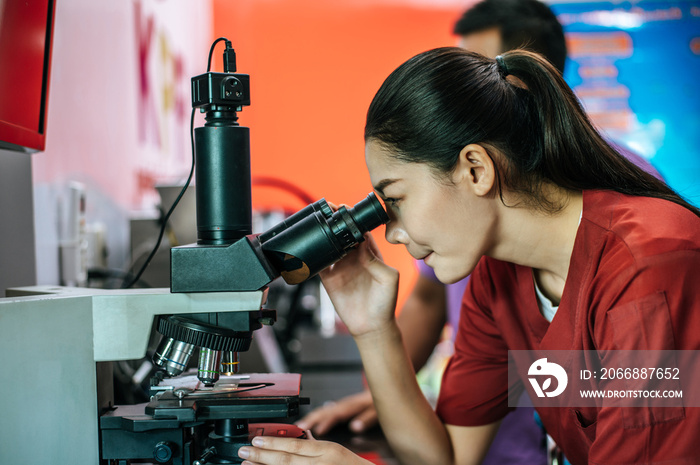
(490, 28)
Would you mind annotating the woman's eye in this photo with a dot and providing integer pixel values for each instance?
(391, 202)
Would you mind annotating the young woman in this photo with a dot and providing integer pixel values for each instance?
(491, 167)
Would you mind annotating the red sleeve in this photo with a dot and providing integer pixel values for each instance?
(475, 383)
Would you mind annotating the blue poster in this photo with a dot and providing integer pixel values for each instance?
(635, 66)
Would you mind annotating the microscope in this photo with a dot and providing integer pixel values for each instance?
(215, 303)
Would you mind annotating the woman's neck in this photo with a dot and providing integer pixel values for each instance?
(542, 241)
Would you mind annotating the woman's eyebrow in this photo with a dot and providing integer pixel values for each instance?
(381, 185)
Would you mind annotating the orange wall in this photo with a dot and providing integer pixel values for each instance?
(315, 66)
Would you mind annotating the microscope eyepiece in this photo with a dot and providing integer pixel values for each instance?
(315, 237)
(318, 206)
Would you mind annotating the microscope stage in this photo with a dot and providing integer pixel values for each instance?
(258, 396)
(253, 397)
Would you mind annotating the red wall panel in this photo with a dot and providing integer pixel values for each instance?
(315, 66)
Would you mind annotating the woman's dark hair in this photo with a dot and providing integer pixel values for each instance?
(442, 100)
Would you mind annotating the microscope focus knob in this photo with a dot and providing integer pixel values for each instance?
(163, 452)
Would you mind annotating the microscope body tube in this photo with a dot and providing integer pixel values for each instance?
(224, 207)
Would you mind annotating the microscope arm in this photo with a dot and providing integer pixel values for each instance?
(122, 319)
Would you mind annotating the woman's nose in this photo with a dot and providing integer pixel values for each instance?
(395, 234)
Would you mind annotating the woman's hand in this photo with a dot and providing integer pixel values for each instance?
(270, 450)
(358, 409)
(363, 288)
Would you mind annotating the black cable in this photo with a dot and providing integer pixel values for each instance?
(164, 224)
(95, 274)
(211, 50)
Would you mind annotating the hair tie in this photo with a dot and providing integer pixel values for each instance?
(502, 68)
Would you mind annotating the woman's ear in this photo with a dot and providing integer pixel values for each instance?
(475, 169)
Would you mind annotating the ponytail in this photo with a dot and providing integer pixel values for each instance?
(444, 99)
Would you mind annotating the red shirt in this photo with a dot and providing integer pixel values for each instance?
(633, 284)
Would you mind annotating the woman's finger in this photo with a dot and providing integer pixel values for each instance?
(271, 450)
(365, 420)
(291, 445)
(372, 245)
